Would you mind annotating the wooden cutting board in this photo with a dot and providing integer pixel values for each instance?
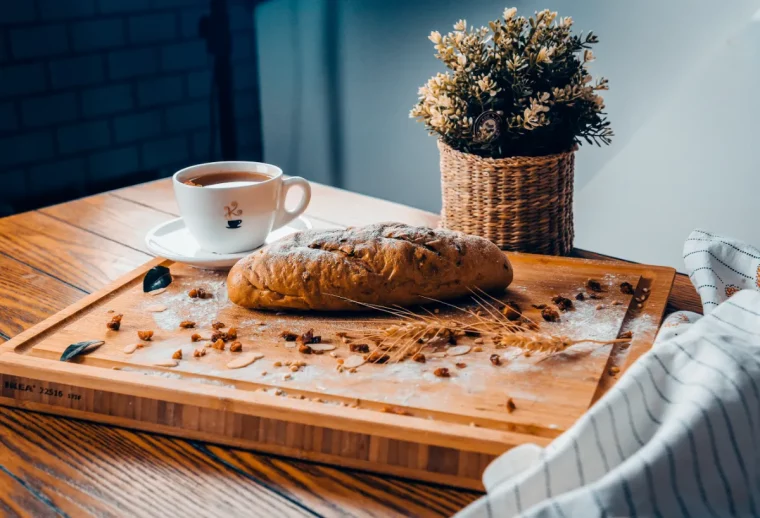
(398, 419)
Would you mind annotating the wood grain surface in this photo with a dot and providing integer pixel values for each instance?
(449, 431)
(62, 467)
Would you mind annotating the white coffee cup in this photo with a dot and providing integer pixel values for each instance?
(236, 217)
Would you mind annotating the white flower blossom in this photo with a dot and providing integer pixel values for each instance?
(498, 66)
(543, 56)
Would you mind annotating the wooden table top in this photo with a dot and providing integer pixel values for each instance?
(50, 466)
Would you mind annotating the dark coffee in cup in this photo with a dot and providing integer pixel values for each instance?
(228, 179)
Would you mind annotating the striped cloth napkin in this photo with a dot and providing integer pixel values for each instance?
(678, 435)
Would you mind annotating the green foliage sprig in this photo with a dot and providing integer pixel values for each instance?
(530, 78)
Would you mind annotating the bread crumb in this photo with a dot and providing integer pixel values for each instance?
(461, 365)
(614, 370)
(236, 347)
(442, 372)
(477, 349)
(562, 303)
(115, 323)
(511, 405)
(495, 359)
(358, 348)
(218, 325)
(177, 354)
(200, 351)
(145, 336)
(378, 357)
(219, 345)
(511, 310)
(287, 376)
(187, 324)
(599, 306)
(550, 314)
(594, 285)
(199, 293)
(419, 357)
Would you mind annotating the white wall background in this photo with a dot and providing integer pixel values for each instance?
(684, 76)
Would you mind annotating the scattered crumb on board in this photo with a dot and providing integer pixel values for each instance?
(405, 383)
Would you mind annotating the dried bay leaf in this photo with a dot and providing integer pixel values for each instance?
(156, 278)
(79, 348)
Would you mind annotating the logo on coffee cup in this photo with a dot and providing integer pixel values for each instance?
(231, 211)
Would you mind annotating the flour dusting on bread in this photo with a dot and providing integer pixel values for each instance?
(384, 263)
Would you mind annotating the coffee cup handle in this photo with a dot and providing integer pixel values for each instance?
(285, 216)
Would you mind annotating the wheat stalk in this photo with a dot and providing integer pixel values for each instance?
(409, 332)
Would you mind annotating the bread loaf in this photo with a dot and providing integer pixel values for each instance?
(385, 264)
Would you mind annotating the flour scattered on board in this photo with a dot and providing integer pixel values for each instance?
(405, 383)
(179, 306)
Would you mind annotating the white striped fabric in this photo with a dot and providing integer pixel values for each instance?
(678, 435)
(719, 266)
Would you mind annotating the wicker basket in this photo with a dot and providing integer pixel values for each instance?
(524, 204)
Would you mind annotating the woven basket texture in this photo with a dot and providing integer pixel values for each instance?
(522, 204)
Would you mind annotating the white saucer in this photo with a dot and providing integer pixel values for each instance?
(174, 241)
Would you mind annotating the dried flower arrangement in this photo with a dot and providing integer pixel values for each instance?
(519, 87)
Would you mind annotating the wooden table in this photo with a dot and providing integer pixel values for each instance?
(50, 466)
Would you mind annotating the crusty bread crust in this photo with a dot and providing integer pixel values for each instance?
(384, 263)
